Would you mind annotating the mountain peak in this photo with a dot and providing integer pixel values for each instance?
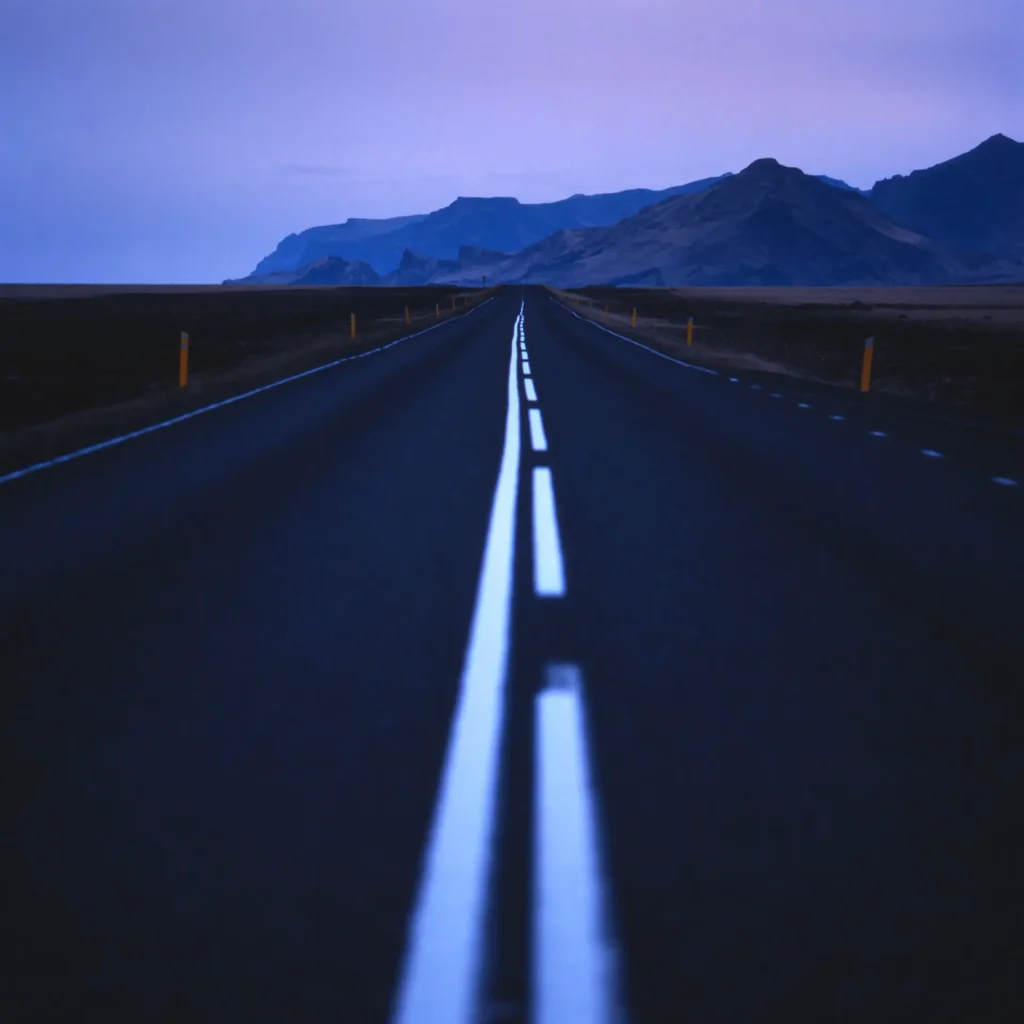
(973, 202)
(411, 259)
(997, 143)
(491, 200)
(768, 169)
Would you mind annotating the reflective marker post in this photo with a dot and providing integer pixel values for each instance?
(865, 370)
(183, 361)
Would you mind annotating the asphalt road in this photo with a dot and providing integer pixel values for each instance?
(517, 673)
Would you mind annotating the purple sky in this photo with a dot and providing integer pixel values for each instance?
(180, 140)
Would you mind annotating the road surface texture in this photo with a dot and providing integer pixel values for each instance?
(517, 673)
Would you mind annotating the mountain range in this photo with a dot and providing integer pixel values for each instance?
(501, 223)
(959, 221)
(974, 201)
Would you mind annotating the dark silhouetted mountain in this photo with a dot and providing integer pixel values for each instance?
(326, 270)
(332, 270)
(501, 223)
(768, 225)
(974, 201)
(416, 269)
(839, 183)
(962, 220)
(471, 254)
(331, 240)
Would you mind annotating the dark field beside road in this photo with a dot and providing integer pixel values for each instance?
(80, 363)
(960, 348)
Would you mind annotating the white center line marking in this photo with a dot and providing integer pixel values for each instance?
(537, 436)
(441, 973)
(802, 405)
(755, 387)
(877, 433)
(548, 574)
(531, 391)
(574, 967)
(931, 453)
(1005, 481)
(526, 368)
(734, 380)
(836, 416)
(775, 394)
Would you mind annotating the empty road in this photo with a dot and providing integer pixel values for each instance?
(517, 673)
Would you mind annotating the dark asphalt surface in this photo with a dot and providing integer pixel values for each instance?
(230, 651)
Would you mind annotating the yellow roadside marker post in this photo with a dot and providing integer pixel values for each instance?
(407, 320)
(634, 316)
(606, 312)
(689, 331)
(865, 369)
(183, 361)
(352, 326)
(437, 309)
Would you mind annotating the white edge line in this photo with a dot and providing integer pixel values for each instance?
(441, 972)
(548, 568)
(655, 352)
(110, 442)
(538, 439)
(574, 975)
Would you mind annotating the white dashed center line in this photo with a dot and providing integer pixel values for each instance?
(836, 416)
(537, 437)
(734, 380)
(531, 391)
(526, 368)
(803, 405)
(574, 968)
(878, 433)
(931, 453)
(1004, 481)
(548, 573)
(775, 394)
(755, 387)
